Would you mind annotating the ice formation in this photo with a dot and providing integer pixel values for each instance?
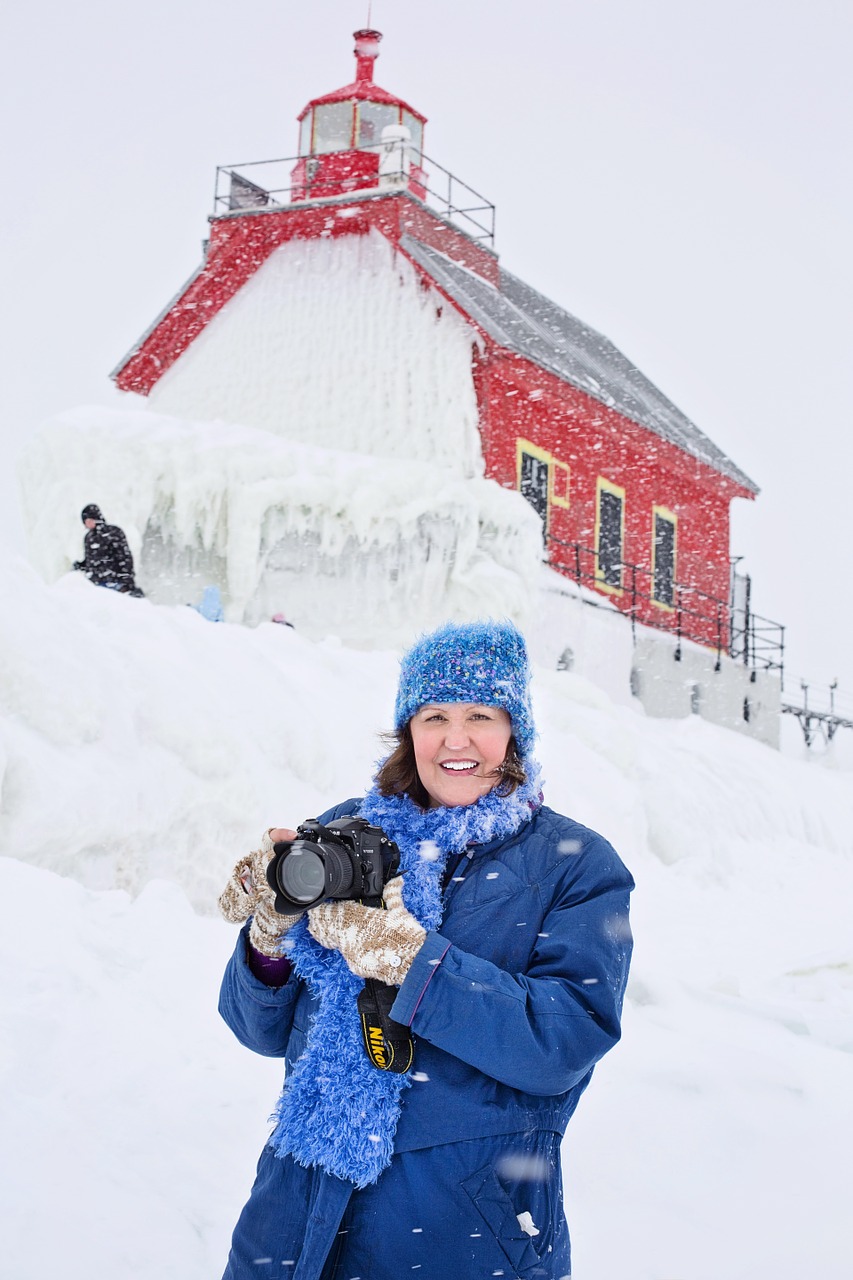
(337, 342)
(341, 542)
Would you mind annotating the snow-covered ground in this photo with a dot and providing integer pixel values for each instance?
(142, 749)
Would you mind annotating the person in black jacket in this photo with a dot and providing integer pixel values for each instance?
(107, 561)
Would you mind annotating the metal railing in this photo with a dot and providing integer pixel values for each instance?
(667, 605)
(269, 184)
(821, 711)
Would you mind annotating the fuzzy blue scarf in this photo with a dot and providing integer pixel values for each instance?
(337, 1110)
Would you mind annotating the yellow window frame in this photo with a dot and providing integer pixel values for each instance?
(672, 518)
(553, 463)
(607, 486)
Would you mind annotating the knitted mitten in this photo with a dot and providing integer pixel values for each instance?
(247, 893)
(375, 943)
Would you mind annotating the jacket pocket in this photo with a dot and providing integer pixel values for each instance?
(498, 1212)
(295, 1048)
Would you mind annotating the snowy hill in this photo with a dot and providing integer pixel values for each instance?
(142, 749)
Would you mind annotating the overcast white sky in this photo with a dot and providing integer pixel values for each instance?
(676, 173)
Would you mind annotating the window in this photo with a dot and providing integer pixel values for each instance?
(305, 133)
(333, 125)
(609, 534)
(664, 525)
(533, 483)
(416, 129)
(372, 119)
(542, 479)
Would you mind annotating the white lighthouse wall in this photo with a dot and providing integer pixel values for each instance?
(337, 343)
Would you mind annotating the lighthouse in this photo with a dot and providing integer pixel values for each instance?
(351, 297)
(359, 137)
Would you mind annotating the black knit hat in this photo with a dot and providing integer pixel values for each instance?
(91, 513)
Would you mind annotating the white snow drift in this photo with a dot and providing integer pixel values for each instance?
(143, 749)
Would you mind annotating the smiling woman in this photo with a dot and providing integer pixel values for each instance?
(476, 743)
(460, 749)
(498, 969)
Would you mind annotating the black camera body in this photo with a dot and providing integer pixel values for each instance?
(346, 859)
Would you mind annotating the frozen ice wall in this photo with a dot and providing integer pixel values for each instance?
(337, 342)
(339, 542)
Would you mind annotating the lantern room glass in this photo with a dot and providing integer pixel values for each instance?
(333, 127)
(305, 133)
(373, 117)
(416, 129)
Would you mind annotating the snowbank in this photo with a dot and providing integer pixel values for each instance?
(144, 748)
(147, 742)
(113, 1076)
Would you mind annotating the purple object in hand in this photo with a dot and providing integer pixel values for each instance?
(271, 970)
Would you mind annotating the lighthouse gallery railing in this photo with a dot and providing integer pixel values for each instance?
(268, 184)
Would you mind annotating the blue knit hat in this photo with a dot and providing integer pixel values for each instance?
(483, 662)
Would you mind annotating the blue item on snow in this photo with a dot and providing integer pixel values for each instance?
(211, 605)
(483, 662)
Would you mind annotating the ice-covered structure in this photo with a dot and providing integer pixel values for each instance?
(335, 342)
(345, 543)
(355, 414)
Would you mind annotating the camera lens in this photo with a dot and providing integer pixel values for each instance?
(302, 875)
(306, 871)
(339, 870)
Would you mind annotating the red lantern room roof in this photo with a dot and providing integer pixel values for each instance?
(363, 88)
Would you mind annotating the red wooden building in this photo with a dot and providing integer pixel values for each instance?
(634, 498)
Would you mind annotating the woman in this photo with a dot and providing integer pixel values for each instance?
(506, 939)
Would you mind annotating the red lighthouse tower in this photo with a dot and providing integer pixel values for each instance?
(359, 137)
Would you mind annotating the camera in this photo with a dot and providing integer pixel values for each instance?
(348, 859)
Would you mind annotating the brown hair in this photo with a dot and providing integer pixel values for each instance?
(399, 774)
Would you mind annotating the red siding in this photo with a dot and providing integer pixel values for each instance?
(519, 400)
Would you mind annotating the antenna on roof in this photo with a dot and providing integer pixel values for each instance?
(369, 10)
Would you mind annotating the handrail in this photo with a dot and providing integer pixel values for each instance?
(690, 614)
(456, 200)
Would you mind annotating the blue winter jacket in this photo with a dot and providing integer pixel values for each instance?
(511, 1004)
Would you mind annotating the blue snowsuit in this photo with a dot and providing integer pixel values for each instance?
(511, 1004)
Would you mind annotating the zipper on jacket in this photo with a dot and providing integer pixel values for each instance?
(451, 873)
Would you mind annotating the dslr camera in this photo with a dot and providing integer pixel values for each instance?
(347, 859)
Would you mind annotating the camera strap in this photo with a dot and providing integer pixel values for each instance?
(389, 1045)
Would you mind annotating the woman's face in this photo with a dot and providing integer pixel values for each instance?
(459, 748)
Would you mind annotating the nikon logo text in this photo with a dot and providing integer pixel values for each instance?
(377, 1046)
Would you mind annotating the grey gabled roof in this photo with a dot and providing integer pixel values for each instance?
(526, 322)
